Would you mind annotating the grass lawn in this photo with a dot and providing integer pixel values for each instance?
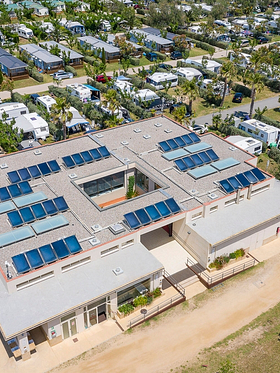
(25, 83)
(197, 52)
(272, 168)
(273, 114)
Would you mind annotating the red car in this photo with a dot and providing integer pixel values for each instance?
(102, 79)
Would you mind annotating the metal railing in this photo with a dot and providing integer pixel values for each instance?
(210, 281)
(173, 282)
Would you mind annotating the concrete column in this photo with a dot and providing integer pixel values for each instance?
(24, 346)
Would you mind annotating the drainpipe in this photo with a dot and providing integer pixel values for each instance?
(238, 195)
(250, 191)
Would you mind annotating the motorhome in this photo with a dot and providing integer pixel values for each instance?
(25, 32)
(46, 102)
(161, 80)
(12, 110)
(33, 126)
(123, 87)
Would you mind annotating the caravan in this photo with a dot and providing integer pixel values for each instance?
(12, 110)
(25, 32)
(33, 126)
(160, 80)
(46, 102)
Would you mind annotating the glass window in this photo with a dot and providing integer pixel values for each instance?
(108, 183)
(130, 293)
(70, 316)
(142, 180)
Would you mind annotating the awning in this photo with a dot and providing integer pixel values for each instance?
(91, 87)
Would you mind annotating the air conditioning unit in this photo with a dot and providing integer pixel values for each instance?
(147, 137)
(158, 124)
(137, 130)
(213, 195)
(117, 228)
(193, 192)
(117, 271)
(3, 165)
(232, 148)
(126, 160)
(94, 241)
(96, 228)
(99, 135)
(124, 142)
(72, 176)
(37, 152)
(168, 130)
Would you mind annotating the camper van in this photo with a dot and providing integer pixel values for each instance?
(160, 80)
(25, 32)
(80, 91)
(12, 110)
(46, 102)
(33, 126)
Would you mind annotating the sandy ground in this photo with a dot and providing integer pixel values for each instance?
(179, 336)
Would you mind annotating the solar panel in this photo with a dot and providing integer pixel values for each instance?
(164, 146)
(4, 194)
(44, 168)
(187, 139)
(25, 187)
(77, 158)
(153, 212)
(194, 137)
(86, 156)
(227, 187)
(180, 141)
(189, 162)
(73, 244)
(172, 204)
(178, 153)
(104, 151)
(205, 157)
(234, 182)
(49, 224)
(38, 211)
(197, 160)
(15, 236)
(60, 249)
(14, 176)
(24, 174)
(60, 204)
(198, 147)
(15, 219)
(20, 263)
(27, 214)
(49, 207)
(163, 209)
(68, 161)
(54, 166)
(14, 190)
(95, 154)
(225, 163)
(34, 171)
(181, 165)
(34, 258)
(202, 171)
(251, 177)
(132, 220)
(142, 216)
(212, 154)
(173, 145)
(7, 206)
(29, 199)
(47, 254)
(259, 175)
(243, 180)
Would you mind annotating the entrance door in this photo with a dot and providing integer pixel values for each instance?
(69, 328)
(102, 313)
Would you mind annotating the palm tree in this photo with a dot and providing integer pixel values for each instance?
(256, 81)
(191, 90)
(61, 113)
(228, 71)
(260, 112)
(112, 103)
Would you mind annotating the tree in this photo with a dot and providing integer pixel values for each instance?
(256, 82)
(180, 113)
(217, 120)
(260, 112)
(191, 90)
(228, 70)
(8, 85)
(112, 103)
(10, 136)
(103, 56)
(1, 78)
(126, 49)
(61, 114)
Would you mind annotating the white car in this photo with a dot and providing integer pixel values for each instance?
(61, 74)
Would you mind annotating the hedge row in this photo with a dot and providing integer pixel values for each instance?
(269, 121)
(70, 69)
(242, 89)
(191, 35)
(134, 61)
(136, 110)
(91, 60)
(35, 75)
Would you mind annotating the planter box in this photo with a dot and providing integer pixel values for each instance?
(231, 261)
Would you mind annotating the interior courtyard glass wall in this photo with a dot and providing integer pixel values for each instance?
(103, 185)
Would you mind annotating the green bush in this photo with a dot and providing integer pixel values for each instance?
(161, 56)
(149, 300)
(32, 107)
(140, 11)
(149, 86)
(16, 97)
(241, 88)
(140, 301)
(137, 82)
(232, 256)
(57, 91)
(35, 75)
(91, 60)
(75, 102)
(239, 253)
(126, 308)
(102, 87)
(70, 69)
(197, 37)
(134, 61)
(156, 292)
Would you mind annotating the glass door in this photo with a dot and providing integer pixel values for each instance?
(69, 325)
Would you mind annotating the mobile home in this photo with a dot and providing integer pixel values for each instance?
(46, 102)
(160, 80)
(33, 126)
(80, 91)
(146, 98)
(261, 131)
(25, 32)
(12, 110)
(189, 73)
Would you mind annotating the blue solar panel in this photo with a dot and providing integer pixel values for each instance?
(95, 154)
(20, 263)
(228, 188)
(251, 177)
(189, 162)
(180, 141)
(15, 218)
(60, 204)
(50, 207)
(44, 168)
(38, 211)
(259, 175)
(132, 220)
(181, 165)
(87, 157)
(194, 137)
(25, 187)
(153, 212)
(60, 249)
(34, 258)
(197, 160)
(164, 146)
(47, 254)
(73, 244)
(34, 171)
(27, 214)
(14, 190)
(104, 151)
(77, 158)
(212, 154)
(24, 174)
(173, 145)
(4, 194)
(142, 216)
(205, 157)
(187, 139)
(163, 209)
(54, 166)
(68, 161)
(172, 204)
(234, 182)
(14, 176)
(243, 180)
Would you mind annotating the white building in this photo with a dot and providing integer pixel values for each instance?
(260, 130)
(46, 102)
(222, 23)
(160, 80)
(122, 86)
(218, 87)
(188, 73)
(80, 91)
(196, 29)
(210, 65)
(248, 144)
(12, 110)
(33, 125)
(241, 59)
(25, 32)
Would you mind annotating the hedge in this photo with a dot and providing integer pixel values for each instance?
(70, 69)
(102, 87)
(274, 85)
(161, 56)
(91, 60)
(35, 75)
(75, 102)
(242, 89)
(149, 86)
(57, 91)
(134, 61)
(16, 97)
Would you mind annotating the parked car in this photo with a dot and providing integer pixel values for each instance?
(165, 66)
(199, 128)
(34, 97)
(262, 39)
(176, 55)
(61, 74)
(238, 96)
(151, 56)
(102, 78)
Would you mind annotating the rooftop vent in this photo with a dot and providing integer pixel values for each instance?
(126, 160)
(3, 165)
(94, 241)
(193, 192)
(96, 228)
(232, 148)
(118, 271)
(99, 135)
(167, 130)
(124, 142)
(158, 124)
(72, 176)
(116, 228)
(213, 195)
(147, 137)
(137, 130)
(37, 152)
